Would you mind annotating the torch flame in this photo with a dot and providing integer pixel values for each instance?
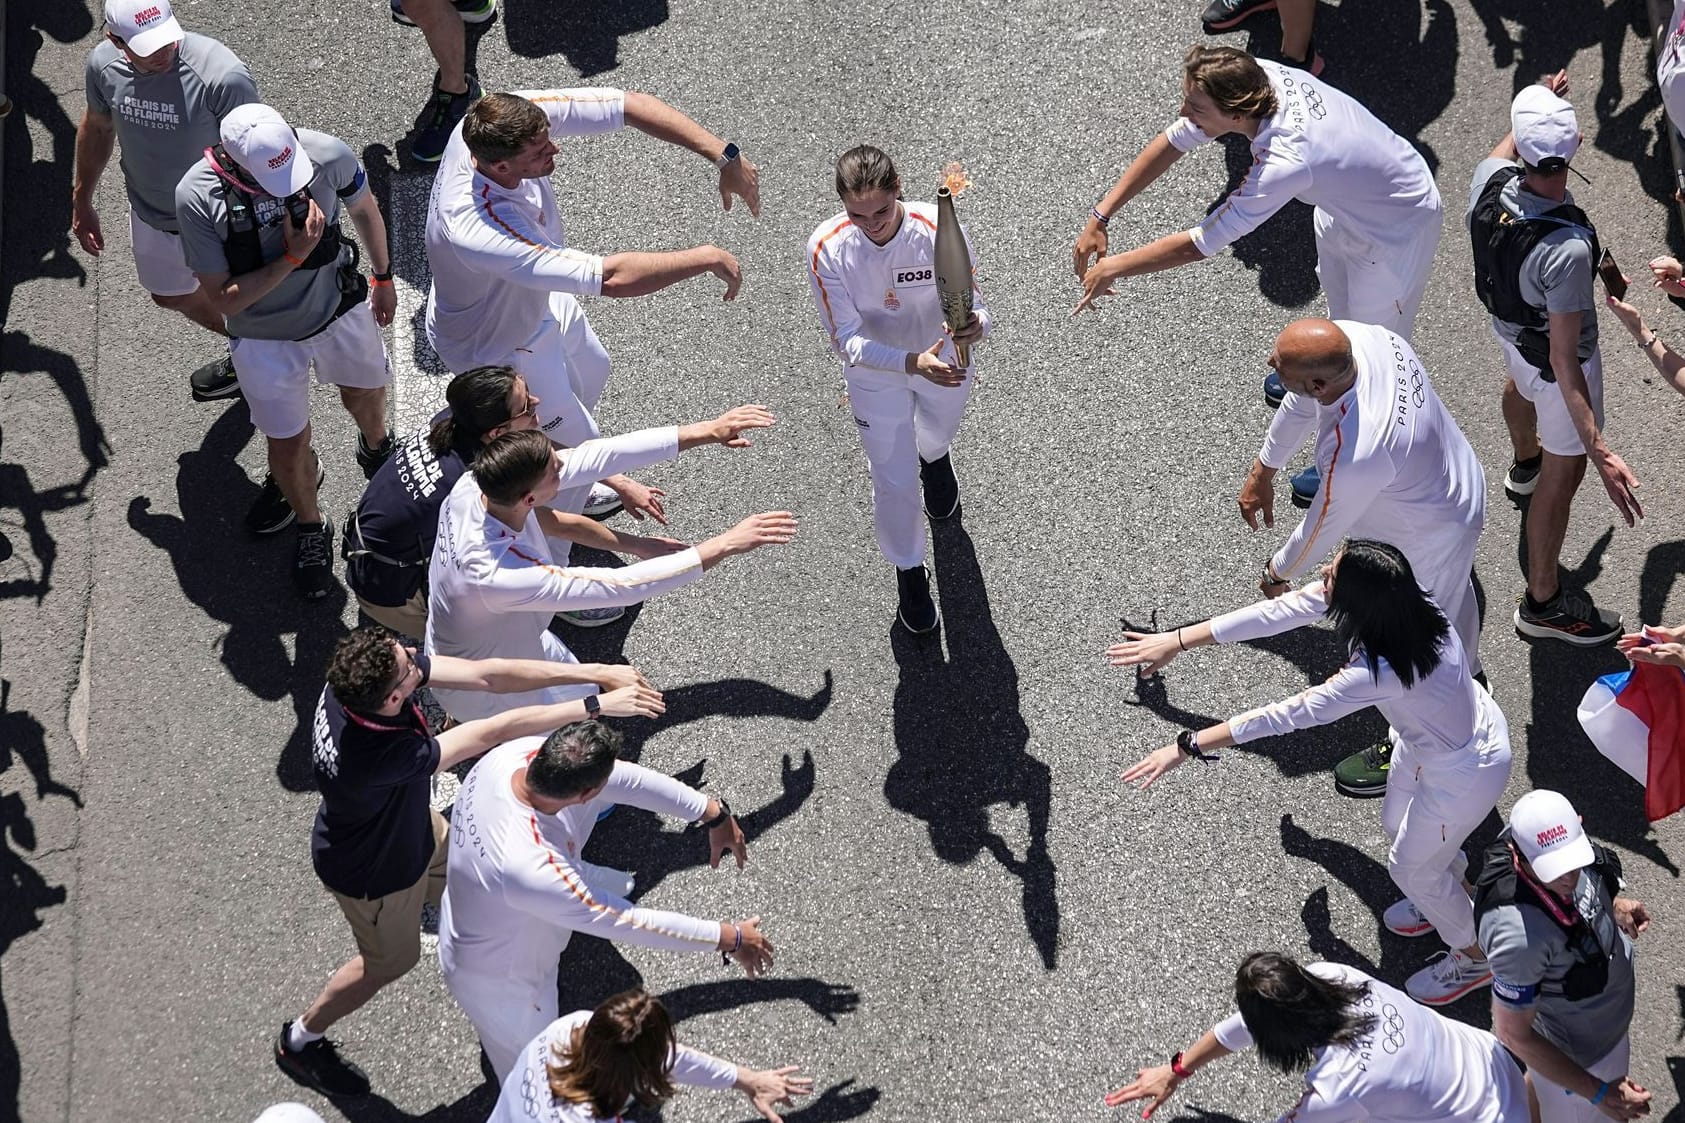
(954, 179)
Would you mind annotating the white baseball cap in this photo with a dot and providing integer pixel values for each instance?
(260, 141)
(1547, 134)
(288, 1113)
(1546, 829)
(143, 25)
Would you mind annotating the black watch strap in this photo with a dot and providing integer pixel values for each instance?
(386, 276)
(593, 706)
(1188, 742)
(725, 814)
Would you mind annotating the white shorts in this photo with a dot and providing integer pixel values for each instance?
(1557, 434)
(275, 373)
(159, 261)
(507, 1013)
(1558, 1105)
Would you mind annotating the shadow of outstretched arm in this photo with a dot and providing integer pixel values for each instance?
(829, 1000)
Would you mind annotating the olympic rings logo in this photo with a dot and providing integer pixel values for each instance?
(1392, 1029)
(1313, 102)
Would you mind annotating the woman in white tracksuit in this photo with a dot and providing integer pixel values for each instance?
(873, 273)
(1451, 751)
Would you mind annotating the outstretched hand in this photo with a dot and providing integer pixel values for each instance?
(1155, 764)
(1157, 1084)
(1148, 652)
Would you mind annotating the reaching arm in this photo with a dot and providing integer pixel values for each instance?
(655, 117)
(639, 274)
(516, 676)
(1512, 1025)
(1618, 479)
(1667, 363)
(1160, 1082)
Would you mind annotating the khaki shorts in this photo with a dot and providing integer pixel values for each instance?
(408, 619)
(388, 929)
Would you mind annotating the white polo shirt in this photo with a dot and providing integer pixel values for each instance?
(514, 892)
(497, 253)
(877, 303)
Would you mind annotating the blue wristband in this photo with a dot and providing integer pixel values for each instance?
(1602, 1090)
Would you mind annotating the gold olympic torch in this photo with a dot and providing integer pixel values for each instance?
(953, 260)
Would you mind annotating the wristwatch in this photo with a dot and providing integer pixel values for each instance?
(593, 707)
(1188, 742)
(723, 816)
(724, 159)
(1271, 579)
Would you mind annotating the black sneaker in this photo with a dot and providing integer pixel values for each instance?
(471, 11)
(1274, 390)
(1220, 15)
(441, 116)
(941, 489)
(313, 559)
(1522, 479)
(270, 513)
(1569, 618)
(318, 1065)
(370, 459)
(215, 381)
(917, 612)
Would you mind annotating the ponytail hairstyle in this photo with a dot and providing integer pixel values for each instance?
(1379, 612)
(479, 403)
(864, 168)
(622, 1055)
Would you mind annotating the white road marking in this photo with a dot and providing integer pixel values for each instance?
(418, 377)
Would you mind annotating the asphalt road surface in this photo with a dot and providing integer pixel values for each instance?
(975, 920)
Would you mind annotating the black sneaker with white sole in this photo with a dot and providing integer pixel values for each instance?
(319, 1066)
(1220, 15)
(370, 459)
(1523, 475)
(313, 560)
(916, 611)
(439, 119)
(270, 513)
(941, 489)
(1567, 617)
(215, 381)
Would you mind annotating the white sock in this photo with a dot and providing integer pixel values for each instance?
(298, 1037)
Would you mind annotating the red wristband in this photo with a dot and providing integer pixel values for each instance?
(1176, 1067)
(296, 262)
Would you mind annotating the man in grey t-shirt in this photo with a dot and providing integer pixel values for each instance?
(162, 93)
(1559, 942)
(1553, 406)
(291, 294)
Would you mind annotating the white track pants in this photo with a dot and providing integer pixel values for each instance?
(1370, 282)
(1433, 802)
(565, 364)
(903, 417)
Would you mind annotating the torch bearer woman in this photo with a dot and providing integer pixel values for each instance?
(874, 272)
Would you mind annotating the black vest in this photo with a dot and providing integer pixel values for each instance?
(1501, 245)
(1499, 885)
(244, 247)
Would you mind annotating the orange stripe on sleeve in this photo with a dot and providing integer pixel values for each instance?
(565, 572)
(1327, 496)
(576, 886)
(824, 294)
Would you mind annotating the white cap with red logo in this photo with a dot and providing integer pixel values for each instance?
(1546, 829)
(262, 143)
(144, 26)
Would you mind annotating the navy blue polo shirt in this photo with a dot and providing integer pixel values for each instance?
(398, 518)
(374, 828)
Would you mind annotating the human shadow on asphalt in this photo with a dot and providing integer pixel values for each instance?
(1559, 756)
(24, 893)
(1366, 876)
(246, 584)
(963, 742)
(37, 227)
(587, 32)
(633, 839)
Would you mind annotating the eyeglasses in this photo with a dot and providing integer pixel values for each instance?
(526, 411)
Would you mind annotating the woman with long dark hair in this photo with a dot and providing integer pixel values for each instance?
(1450, 741)
(594, 1065)
(1366, 1050)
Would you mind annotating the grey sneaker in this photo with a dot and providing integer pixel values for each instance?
(1570, 618)
(604, 503)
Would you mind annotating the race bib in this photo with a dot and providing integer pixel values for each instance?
(913, 276)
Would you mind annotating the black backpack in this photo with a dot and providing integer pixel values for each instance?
(1499, 885)
(1501, 245)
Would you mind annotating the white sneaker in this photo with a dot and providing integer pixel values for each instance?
(1447, 978)
(604, 502)
(1405, 919)
(605, 880)
(592, 617)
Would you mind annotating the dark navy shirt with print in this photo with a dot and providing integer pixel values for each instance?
(374, 829)
(398, 518)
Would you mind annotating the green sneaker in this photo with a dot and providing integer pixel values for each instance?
(1364, 774)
